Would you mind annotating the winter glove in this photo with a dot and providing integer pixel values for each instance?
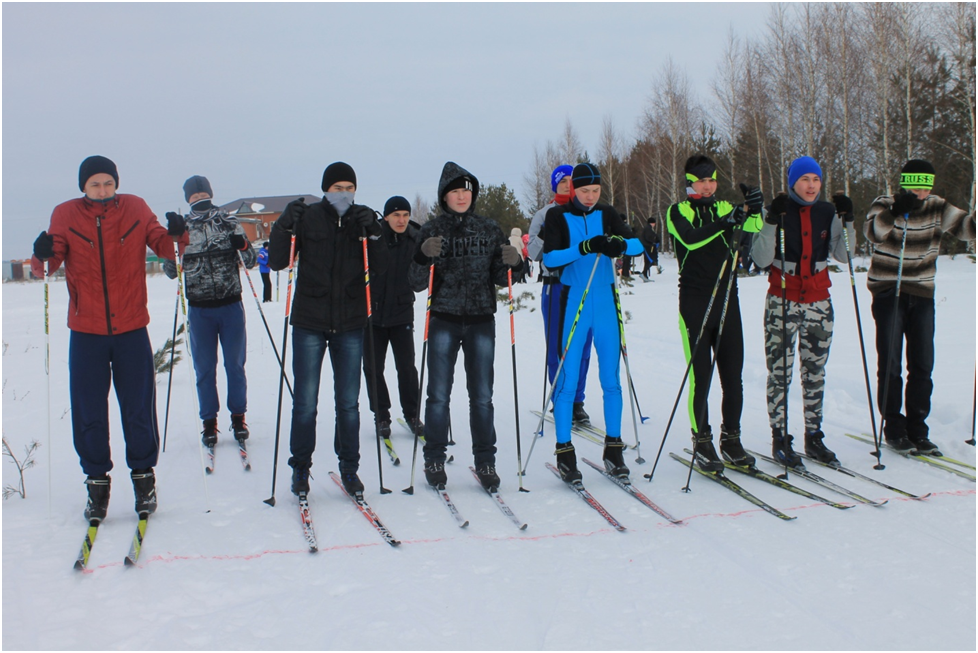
(843, 206)
(432, 246)
(367, 220)
(176, 226)
(593, 245)
(735, 217)
(511, 256)
(292, 214)
(904, 202)
(753, 197)
(615, 246)
(778, 208)
(238, 241)
(44, 246)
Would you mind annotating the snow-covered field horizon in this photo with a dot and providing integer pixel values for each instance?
(222, 570)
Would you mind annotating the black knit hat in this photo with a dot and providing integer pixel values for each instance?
(457, 183)
(336, 172)
(699, 167)
(94, 165)
(917, 173)
(396, 203)
(585, 174)
(196, 184)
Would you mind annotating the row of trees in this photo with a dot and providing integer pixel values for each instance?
(859, 87)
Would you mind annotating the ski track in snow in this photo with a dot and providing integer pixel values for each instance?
(730, 577)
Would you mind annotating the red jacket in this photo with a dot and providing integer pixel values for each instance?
(103, 248)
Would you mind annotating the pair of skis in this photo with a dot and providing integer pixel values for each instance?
(956, 467)
(242, 454)
(309, 531)
(497, 498)
(81, 562)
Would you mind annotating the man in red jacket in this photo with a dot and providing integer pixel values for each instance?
(102, 238)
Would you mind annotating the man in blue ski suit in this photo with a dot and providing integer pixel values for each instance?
(575, 237)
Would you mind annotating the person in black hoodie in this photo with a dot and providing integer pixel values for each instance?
(471, 256)
(329, 310)
(393, 321)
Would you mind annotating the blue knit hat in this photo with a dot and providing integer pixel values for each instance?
(559, 173)
(803, 165)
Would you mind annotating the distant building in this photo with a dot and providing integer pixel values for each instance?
(257, 214)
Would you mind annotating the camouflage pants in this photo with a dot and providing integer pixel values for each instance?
(812, 323)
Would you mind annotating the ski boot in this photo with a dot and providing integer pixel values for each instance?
(384, 428)
(300, 479)
(580, 415)
(144, 487)
(98, 497)
(704, 453)
(351, 483)
(815, 448)
(781, 449)
(567, 462)
(209, 434)
(733, 450)
(434, 473)
(239, 428)
(917, 434)
(614, 459)
(416, 426)
(488, 476)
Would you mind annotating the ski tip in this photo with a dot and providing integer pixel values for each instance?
(451, 459)
(209, 470)
(79, 565)
(408, 490)
(270, 501)
(397, 461)
(464, 524)
(128, 562)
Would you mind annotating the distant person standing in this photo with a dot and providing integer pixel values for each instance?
(650, 240)
(265, 271)
(102, 239)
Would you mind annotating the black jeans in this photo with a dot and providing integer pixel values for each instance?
(915, 323)
(266, 283)
(401, 340)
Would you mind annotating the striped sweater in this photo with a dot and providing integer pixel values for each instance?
(925, 227)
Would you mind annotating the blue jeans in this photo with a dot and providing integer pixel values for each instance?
(125, 361)
(345, 355)
(207, 326)
(478, 344)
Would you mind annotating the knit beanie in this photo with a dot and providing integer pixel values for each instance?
(457, 183)
(699, 166)
(196, 184)
(585, 174)
(94, 165)
(396, 203)
(917, 173)
(559, 173)
(337, 172)
(803, 165)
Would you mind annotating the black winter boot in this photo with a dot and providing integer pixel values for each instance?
(815, 448)
(351, 483)
(488, 476)
(144, 487)
(704, 452)
(580, 415)
(209, 435)
(98, 497)
(614, 459)
(300, 479)
(733, 450)
(567, 462)
(781, 449)
(384, 428)
(416, 425)
(434, 473)
(238, 427)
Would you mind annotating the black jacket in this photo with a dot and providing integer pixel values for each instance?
(471, 264)
(330, 292)
(391, 293)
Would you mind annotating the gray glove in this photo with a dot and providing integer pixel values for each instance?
(511, 256)
(432, 247)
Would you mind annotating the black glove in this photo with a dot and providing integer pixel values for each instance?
(238, 241)
(44, 246)
(615, 246)
(593, 245)
(176, 226)
(753, 197)
(778, 207)
(292, 214)
(904, 202)
(431, 247)
(735, 217)
(367, 220)
(843, 206)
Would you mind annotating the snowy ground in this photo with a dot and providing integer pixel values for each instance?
(732, 577)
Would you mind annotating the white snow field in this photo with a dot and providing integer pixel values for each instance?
(220, 569)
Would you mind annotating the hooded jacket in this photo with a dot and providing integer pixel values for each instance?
(471, 263)
(103, 247)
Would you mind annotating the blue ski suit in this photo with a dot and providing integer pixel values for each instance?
(566, 226)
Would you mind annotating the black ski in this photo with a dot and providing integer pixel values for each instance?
(869, 479)
(578, 487)
(736, 489)
(818, 480)
(367, 512)
(506, 510)
(627, 486)
(927, 460)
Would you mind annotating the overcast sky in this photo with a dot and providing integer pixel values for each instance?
(260, 98)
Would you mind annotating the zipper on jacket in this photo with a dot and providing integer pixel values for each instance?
(91, 244)
(125, 235)
(105, 283)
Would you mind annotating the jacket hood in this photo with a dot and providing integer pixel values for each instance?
(450, 173)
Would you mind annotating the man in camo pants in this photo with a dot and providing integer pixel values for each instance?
(811, 230)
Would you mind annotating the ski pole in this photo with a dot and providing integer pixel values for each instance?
(547, 295)
(623, 348)
(735, 240)
(281, 381)
(862, 348)
(893, 328)
(264, 321)
(190, 368)
(370, 342)
(47, 367)
(169, 374)
(974, 411)
(784, 348)
(424, 353)
(570, 336)
(516, 396)
(689, 365)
